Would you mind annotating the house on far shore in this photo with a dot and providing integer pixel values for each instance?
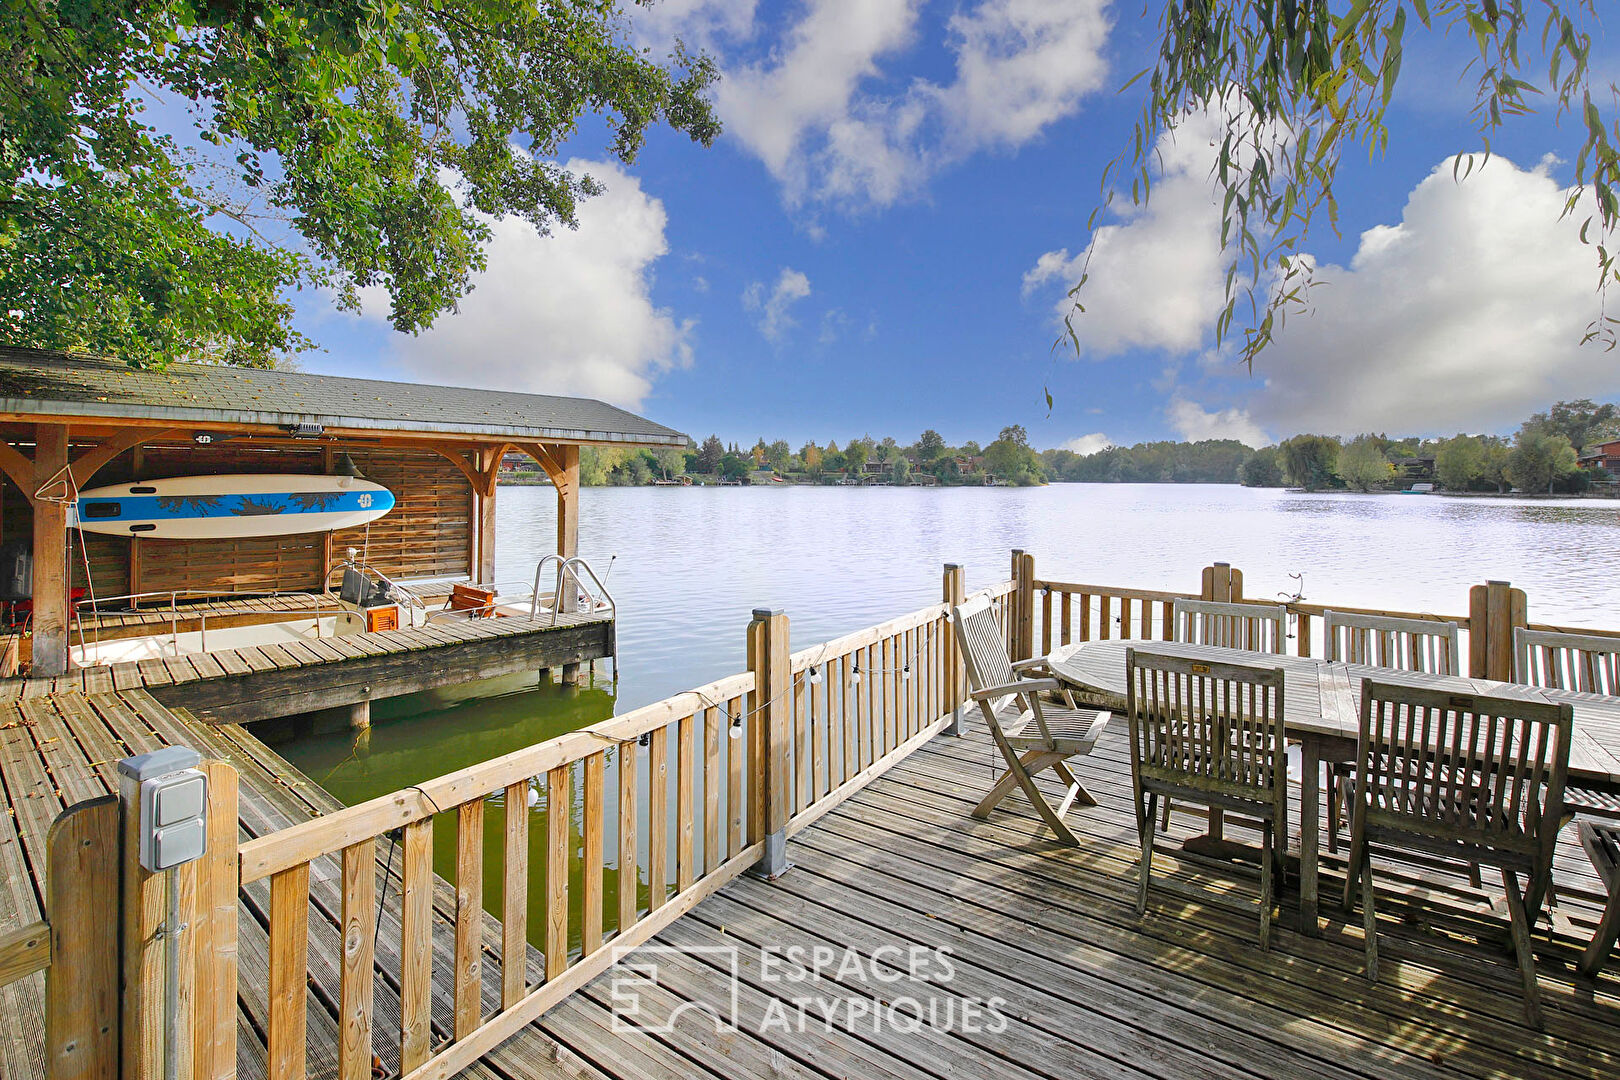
(1605, 456)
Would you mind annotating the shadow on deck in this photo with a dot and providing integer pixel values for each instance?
(1085, 987)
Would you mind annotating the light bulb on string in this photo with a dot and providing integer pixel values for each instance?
(815, 674)
(855, 675)
(736, 727)
(905, 672)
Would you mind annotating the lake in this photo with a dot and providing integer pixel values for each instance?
(688, 565)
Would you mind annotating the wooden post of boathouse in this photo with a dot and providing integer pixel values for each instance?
(71, 423)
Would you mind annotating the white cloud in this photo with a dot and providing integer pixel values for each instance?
(1083, 445)
(817, 112)
(1468, 314)
(566, 313)
(700, 23)
(834, 325)
(1155, 278)
(1195, 423)
(775, 317)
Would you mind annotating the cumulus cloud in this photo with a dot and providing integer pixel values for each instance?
(1155, 276)
(1194, 423)
(1464, 316)
(817, 112)
(775, 307)
(1094, 443)
(568, 313)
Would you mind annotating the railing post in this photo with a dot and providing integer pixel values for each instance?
(769, 776)
(955, 591)
(1495, 610)
(84, 849)
(1023, 634)
(214, 1029)
(1222, 584)
(159, 956)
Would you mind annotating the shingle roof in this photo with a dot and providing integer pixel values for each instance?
(33, 381)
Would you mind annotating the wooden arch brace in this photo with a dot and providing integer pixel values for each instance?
(21, 470)
(482, 479)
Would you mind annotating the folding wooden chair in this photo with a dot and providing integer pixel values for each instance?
(1031, 735)
(1460, 776)
(1602, 844)
(1212, 734)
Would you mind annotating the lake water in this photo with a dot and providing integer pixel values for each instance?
(692, 563)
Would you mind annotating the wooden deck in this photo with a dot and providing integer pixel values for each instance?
(261, 682)
(1086, 989)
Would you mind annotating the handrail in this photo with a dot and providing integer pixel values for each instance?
(175, 613)
(23, 951)
(567, 567)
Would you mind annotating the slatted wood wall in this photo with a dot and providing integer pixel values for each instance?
(427, 534)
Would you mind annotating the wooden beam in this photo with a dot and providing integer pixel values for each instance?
(19, 468)
(50, 556)
(91, 461)
(567, 485)
(468, 469)
(484, 521)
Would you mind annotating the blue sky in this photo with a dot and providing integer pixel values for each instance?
(881, 241)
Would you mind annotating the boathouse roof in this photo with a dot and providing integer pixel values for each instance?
(36, 382)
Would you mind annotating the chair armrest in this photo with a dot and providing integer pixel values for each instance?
(1029, 665)
(1019, 686)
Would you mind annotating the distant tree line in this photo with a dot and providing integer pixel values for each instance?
(1542, 456)
(1009, 459)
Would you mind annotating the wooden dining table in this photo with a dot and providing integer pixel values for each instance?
(1322, 709)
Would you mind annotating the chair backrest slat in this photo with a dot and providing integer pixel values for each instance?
(1220, 724)
(984, 647)
(1385, 641)
(1585, 662)
(1492, 767)
(1254, 627)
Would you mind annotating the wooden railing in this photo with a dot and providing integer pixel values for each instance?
(1046, 614)
(756, 756)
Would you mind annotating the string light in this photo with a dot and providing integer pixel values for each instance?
(905, 672)
(736, 727)
(815, 674)
(855, 674)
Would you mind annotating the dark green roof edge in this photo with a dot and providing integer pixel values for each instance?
(44, 383)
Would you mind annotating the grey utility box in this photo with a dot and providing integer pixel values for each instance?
(170, 794)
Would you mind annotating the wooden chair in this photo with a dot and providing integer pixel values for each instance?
(1602, 844)
(1589, 663)
(1031, 735)
(1254, 627)
(1465, 777)
(1212, 734)
(1387, 642)
(471, 600)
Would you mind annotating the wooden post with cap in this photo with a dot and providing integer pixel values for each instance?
(955, 590)
(769, 772)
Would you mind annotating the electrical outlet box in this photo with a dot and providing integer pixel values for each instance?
(170, 794)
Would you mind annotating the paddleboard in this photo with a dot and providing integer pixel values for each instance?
(224, 507)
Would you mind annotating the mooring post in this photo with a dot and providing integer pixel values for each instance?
(1495, 610)
(955, 592)
(360, 715)
(768, 739)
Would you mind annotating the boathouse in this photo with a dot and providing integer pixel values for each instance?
(70, 423)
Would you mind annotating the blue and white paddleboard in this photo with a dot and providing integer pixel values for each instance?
(224, 507)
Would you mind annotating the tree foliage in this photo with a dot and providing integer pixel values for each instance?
(1540, 459)
(1310, 460)
(170, 169)
(1263, 468)
(1581, 421)
(1296, 82)
(1362, 464)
